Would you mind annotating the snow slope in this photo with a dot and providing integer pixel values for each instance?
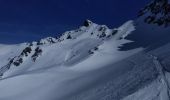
(93, 62)
(42, 70)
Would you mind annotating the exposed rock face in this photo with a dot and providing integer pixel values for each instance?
(157, 12)
(26, 51)
(38, 52)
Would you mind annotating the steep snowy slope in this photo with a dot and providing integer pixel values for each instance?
(93, 62)
(42, 70)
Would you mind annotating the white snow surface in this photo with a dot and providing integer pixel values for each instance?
(83, 64)
(63, 66)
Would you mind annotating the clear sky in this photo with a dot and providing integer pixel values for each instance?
(40, 18)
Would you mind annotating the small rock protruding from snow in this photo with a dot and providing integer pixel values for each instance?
(18, 62)
(69, 36)
(48, 40)
(114, 32)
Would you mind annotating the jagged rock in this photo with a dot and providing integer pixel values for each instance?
(26, 51)
(96, 48)
(90, 52)
(39, 43)
(160, 21)
(103, 28)
(51, 40)
(102, 35)
(149, 19)
(48, 40)
(158, 13)
(114, 32)
(69, 37)
(31, 44)
(18, 62)
(38, 52)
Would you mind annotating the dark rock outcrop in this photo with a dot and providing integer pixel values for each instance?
(157, 12)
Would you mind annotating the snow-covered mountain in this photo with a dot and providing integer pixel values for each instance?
(93, 62)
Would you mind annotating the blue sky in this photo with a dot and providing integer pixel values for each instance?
(40, 18)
